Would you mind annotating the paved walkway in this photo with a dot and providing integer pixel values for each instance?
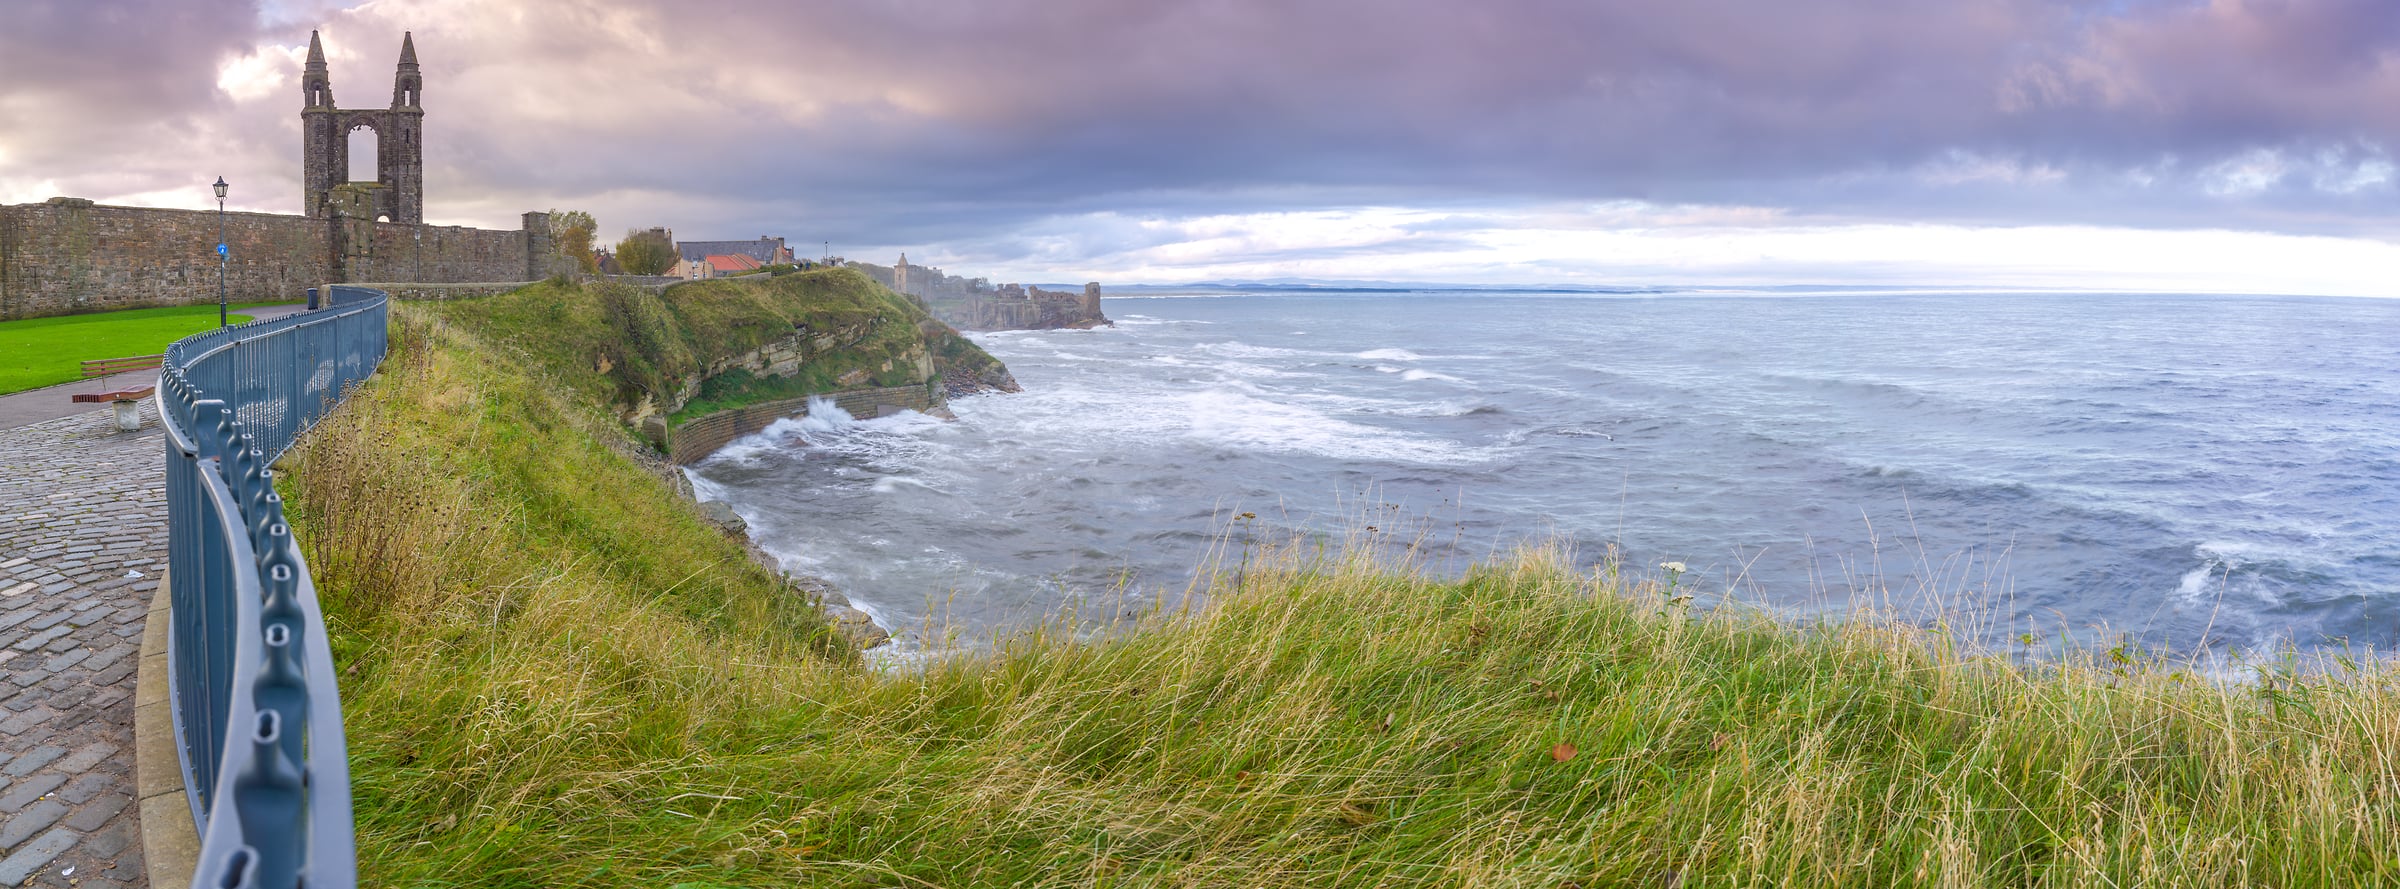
(55, 402)
(82, 544)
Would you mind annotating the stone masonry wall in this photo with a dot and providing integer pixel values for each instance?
(68, 255)
(701, 436)
(438, 292)
(444, 253)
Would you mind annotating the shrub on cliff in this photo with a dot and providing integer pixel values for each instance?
(646, 252)
(571, 233)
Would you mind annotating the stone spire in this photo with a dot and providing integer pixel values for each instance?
(407, 85)
(316, 85)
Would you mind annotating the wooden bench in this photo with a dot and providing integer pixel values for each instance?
(128, 402)
(101, 367)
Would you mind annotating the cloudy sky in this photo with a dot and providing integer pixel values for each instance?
(2245, 145)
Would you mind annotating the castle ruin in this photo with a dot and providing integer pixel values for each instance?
(974, 304)
(69, 255)
(398, 192)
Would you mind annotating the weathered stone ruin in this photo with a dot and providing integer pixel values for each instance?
(974, 304)
(69, 255)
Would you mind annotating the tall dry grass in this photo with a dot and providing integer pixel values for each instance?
(554, 676)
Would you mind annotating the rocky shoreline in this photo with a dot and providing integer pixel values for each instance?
(855, 625)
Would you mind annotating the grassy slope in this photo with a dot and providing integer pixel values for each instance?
(589, 689)
(652, 343)
(37, 352)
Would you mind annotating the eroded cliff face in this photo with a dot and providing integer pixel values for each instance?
(663, 357)
(785, 359)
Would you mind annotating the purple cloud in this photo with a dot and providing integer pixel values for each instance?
(914, 122)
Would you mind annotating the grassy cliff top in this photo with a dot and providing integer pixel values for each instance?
(555, 676)
(617, 344)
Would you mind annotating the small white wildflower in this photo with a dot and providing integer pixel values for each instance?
(1672, 567)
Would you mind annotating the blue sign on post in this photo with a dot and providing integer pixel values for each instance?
(220, 249)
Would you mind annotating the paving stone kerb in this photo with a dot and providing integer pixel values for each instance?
(83, 543)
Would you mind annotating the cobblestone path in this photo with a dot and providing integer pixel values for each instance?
(83, 541)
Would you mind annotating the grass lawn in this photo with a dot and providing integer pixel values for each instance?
(39, 352)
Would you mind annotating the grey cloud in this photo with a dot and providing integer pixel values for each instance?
(892, 123)
(90, 92)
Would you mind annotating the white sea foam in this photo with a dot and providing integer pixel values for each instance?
(1417, 375)
(1248, 371)
(1456, 407)
(1229, 418)
(749, 449)
(702, 487)
(824, 416)
(899, 438)
(2219, 561)
(891, 483)
(1390, 355)
(1237, 349)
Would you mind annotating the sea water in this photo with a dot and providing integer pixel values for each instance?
(2182, 472)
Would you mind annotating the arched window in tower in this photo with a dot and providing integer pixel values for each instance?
(363, 157)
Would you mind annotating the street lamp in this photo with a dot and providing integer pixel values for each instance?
(220, 187)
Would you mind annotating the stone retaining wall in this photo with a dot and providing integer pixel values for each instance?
(438, 292)
(643, 280)
(701, 436)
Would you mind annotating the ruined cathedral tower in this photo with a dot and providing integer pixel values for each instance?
(398, 192)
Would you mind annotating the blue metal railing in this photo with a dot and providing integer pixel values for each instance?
(258, 722)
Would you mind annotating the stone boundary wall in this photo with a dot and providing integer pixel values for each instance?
(68, 255)
(701, 436)
(444, 253)
(439, 292)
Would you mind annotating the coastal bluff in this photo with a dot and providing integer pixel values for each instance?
(977, 304)
(689, 367)
(692, 366)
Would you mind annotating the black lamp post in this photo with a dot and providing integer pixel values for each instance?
(220, 186)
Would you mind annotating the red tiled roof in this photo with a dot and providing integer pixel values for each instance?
(733, 262)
